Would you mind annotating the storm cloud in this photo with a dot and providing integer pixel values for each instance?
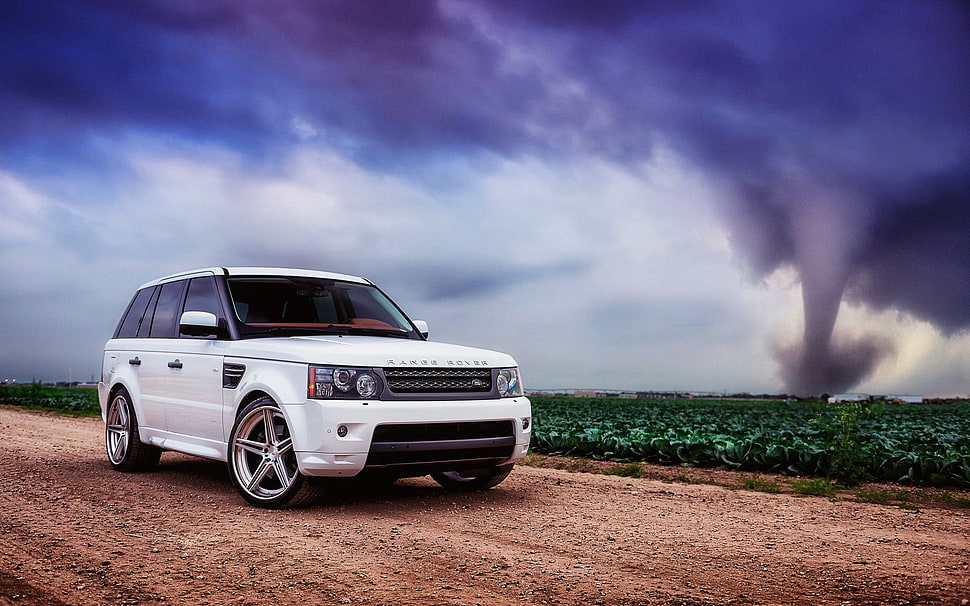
(838, 135)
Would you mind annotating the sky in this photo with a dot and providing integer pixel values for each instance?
(760, 196)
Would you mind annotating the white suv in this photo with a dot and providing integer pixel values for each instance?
(295, 376)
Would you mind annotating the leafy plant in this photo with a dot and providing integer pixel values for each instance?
(629, 470)
(849, 456)
(919, 444)
(955, 500)
(900, 498)
(685, 478)
(817, 487)
(758, 484)
(77, 401)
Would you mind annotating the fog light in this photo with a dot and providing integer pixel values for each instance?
(342, 431)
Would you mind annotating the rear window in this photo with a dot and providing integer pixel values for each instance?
(167, 309)
(128, 329)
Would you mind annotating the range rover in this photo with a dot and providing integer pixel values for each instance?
(295, 377)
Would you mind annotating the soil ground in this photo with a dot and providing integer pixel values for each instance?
(76, 532)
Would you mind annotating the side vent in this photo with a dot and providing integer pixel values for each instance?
(232, 374)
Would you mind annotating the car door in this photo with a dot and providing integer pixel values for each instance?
(132, 357)
(193, 403)
(152, 355)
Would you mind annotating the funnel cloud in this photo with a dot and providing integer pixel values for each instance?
(908, 251)
(841, 137)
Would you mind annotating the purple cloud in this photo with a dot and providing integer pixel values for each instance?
(841, 131)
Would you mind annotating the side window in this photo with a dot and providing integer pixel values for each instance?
(166, 310)
(128, 329)
(202, 296)
(146, 323)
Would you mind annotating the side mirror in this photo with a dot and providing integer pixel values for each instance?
(199, 324)
(422, 327)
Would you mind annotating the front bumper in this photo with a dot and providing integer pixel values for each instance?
(340, 438)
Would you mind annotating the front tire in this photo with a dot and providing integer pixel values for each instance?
(454, 480)
(262, 461)
(126, 451)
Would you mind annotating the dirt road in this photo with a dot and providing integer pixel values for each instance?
(76, 532)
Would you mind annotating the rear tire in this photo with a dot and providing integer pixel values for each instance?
(126, 451)
(454, 480)
(262, 461)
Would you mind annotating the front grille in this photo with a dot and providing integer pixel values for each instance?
(431, 432)
(421, 445)
(439, 380)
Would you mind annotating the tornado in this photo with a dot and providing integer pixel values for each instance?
(824, 233)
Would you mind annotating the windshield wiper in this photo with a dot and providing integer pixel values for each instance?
(330, 329)
(383, 332)
(252, 331)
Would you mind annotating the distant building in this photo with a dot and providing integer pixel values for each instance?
(905, 399)
(861, 397)
(849, 397)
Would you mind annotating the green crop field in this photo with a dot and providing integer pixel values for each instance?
(925, 444)
(922, 444)
(81, 401)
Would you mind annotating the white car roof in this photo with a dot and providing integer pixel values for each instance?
(256, 271)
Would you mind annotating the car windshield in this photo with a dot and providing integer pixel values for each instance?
(297, 305)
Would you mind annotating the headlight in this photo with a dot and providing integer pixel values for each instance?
(343, 383)
(508, 383)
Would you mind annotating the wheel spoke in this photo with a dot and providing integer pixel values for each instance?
(252, 446)
(281, 472)
(259, 475)
(119, 443)
(268, 427)
(262, 458)
(284, 446)
(281, 444)
(117, 430)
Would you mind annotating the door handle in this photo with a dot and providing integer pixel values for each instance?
(175, 364)
(135, 361)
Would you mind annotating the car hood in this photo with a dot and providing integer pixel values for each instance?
(368, 351)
